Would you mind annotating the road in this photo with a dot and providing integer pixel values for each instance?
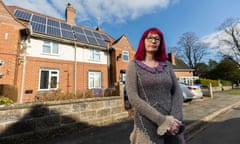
(119, 133)
(224, 129)
(114, 134)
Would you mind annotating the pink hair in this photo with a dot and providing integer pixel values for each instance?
(160, 55)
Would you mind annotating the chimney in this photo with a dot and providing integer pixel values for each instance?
(171, 58)
(70, 14)
(99, 28)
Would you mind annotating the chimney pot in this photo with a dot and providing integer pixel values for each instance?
(70, 14)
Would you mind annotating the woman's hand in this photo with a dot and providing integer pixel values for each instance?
(175, 127)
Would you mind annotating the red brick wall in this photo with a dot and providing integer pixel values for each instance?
(122, 45)
(9, 46)
(32, 75)
(188, 73)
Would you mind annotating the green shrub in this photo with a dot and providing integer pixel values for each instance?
(205, 82)
(214, 82)
(226, 83)
(5, 101)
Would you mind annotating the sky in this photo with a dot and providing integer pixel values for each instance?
(133, 17)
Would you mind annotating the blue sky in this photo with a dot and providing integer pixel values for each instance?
(132, 17)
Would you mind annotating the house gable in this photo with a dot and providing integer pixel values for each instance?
(119, 50)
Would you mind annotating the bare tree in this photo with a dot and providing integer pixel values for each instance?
(175, 50)
(229, 39)
(192, 49)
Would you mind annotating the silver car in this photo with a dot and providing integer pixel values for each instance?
(187, 94)
(196, 91)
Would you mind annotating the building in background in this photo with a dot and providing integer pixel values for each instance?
(183, 72)
(43, 53)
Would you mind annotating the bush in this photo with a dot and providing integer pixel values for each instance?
(5, 101)
(56, 95)
(226, 83)
(206, 82)
(9, 91)
(214, 83)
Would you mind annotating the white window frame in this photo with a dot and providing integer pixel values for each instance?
(125, 56)
(94, 54)
(51, 48)
(48, 79)
(94, 79)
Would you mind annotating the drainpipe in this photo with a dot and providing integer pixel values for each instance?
(108, 65)
(75, 68)
(24, 49)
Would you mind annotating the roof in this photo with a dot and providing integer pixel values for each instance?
(41, 24)
(180, 65)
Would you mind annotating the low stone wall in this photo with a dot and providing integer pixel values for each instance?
(26, 123)
(206, 91)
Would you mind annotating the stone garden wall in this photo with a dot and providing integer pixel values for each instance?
(28, 122)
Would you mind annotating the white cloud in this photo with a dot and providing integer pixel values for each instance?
(109, 11)
(211, 40)
(214, 42)
(41, 6)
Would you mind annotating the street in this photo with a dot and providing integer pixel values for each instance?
(114, 134)
(193, 112)
(223, 130)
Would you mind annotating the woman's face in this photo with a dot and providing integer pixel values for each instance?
(152, 42)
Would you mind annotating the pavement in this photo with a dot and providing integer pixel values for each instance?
(197, 114)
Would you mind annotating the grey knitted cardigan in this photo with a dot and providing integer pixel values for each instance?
(157, 98)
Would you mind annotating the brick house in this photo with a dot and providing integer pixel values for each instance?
(10, 38)
(182, 70)
(43, 53)
(121, 53)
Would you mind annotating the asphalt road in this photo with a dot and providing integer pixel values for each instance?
(193, 112)
(114, 134)
(225, 129)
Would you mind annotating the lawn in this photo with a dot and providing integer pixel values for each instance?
(234, 92)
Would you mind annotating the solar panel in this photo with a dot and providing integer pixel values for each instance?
(81, 38)
(92, 40)
(105, 37)
(53, 23)
(67, 34)
(39, 19)
(38, 27)
(102, 43)
(66, 26)
(97, 35)
(88, 33)
(53, 31)
(52, 27)
(78, 30)
(22, 15)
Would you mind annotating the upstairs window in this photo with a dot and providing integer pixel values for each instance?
(94, 54)
(50, 48)
(125, 56)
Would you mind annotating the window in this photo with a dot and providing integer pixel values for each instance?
(94, 54)
(125, 56)
(122, 75)
(94, 79)
(48, 79)
(50, 48)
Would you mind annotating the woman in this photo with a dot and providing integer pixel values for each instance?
(155, 94)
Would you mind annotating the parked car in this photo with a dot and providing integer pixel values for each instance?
(196, 91)
(187, 94)
(127, 104)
